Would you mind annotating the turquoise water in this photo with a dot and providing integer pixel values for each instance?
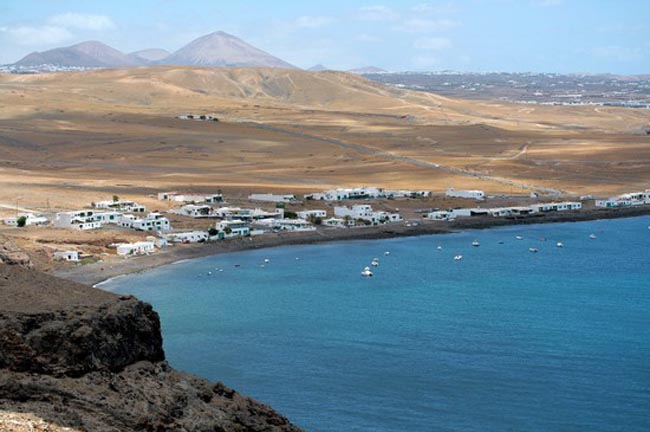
(504, 340)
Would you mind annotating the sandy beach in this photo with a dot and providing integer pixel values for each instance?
(95, 273)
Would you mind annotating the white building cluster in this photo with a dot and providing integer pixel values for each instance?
(626, 200)
(31, 219)
(365, 213)
(452, 214)
(478, 195)
(190, 198)
(364, 193)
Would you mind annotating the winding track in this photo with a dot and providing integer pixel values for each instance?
(409, 160)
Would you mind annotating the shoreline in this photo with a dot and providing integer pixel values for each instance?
(98, 273)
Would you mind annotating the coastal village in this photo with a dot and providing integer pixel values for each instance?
(183, 218)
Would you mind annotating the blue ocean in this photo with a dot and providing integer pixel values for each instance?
(504, 339)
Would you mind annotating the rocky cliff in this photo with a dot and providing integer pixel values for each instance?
(81, 359)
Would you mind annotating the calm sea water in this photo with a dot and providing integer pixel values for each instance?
(504, 340)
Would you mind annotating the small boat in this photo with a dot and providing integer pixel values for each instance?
(475, 243)
(375, 263)
(266, 260)
(386, 253)
(439, 248)
(209, 273)
(519, 237)
(533, 250)
(458, 257)
(560, 244)
(500, 242)
(592, 236)
(366, 272)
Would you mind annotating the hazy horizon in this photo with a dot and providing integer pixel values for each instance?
(561, 36)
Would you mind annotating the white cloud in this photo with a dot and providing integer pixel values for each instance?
(43, 35)
(312, 21)
(618, 53)
(79, 21)
(423, 25)
(377, 13)
(433, 44)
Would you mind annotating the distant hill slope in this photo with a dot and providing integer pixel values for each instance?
(84, 54)
(223, 49)
(172, 90)
(151, 55)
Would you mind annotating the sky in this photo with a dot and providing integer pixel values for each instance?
(565, 36)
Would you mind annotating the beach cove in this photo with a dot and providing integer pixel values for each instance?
(95, 273)
(505, 339)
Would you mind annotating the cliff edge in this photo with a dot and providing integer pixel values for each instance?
(80, 359)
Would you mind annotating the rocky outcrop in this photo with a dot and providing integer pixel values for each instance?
(88, 338)
(80, 358)
(10, 254)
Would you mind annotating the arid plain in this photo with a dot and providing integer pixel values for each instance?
(66, 138)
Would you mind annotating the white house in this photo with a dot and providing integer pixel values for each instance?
(335, 222)
(79, 220)
(406, 194)
(123, 206)
(153, 222)
(30, 219)
(288, 224)
(556, 206)
(276, 198)
(365, 193)
(233, 228)
(625, 200)
(306, 214)
(138, 248)
(365, 212)
(471, 194)
(67, 256)
(187, 237)
(442, 215)
(195, 211)
(344, 194)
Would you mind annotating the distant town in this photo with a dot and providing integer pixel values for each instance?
(527, 88)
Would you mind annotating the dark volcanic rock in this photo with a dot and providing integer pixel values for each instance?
(86, 339)
(82, 358)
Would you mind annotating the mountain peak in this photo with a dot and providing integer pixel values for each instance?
(223, 49)
(318, 68)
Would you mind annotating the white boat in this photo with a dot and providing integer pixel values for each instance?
(475, 243)
(559, 244)
(458, 257)
(386, 253)
(266, 260)
(375, 263)
(439, 248)
(533, 250)
(519, 237)
(592, 236)
(366, 272)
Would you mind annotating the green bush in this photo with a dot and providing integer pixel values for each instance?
(21, 221)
